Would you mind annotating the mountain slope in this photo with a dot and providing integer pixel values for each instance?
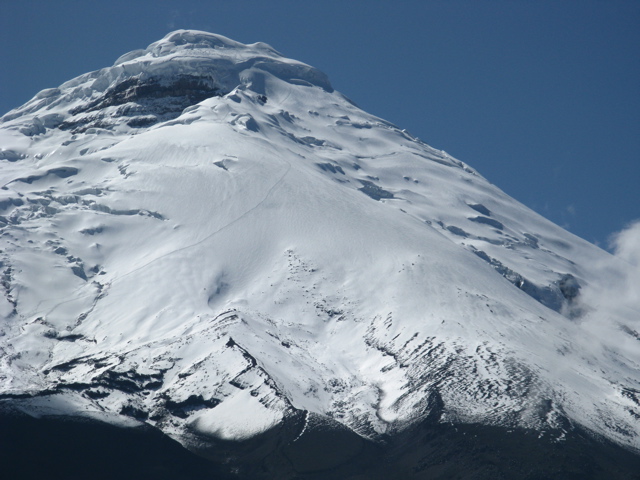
(206, 237)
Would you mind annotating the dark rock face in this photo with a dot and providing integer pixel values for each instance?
(569, 287)
(142, 102)
(58, 448)
(191, 88)
(194, 402)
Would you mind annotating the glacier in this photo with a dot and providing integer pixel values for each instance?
(209, 239)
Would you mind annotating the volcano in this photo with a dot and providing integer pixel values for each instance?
(205, 249)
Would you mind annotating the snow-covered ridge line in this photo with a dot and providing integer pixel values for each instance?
(158, 83)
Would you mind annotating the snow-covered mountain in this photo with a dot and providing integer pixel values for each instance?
(207, 238)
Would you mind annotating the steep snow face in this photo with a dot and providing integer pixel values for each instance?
(256, 246)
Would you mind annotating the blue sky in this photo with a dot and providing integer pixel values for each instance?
(541, 97)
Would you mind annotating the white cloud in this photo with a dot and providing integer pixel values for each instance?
(626, 297)
(621, 294)
(617, 290)
(612, 301)
(626, 244)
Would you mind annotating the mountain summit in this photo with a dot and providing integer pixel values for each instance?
(208, 239)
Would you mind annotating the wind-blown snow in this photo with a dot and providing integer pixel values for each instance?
(207, 236)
